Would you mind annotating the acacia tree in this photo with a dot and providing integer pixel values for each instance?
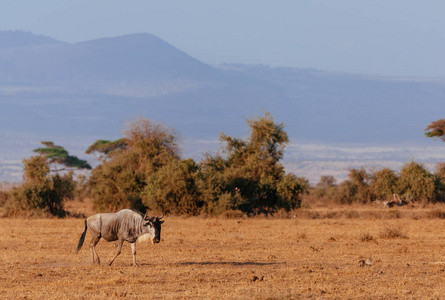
(436, 129)
(61, 160)
(104, 149)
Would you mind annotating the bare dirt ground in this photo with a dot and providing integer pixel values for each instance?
(341, 256)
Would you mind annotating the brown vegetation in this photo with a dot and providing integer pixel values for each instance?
(355, 252)
(6, 186)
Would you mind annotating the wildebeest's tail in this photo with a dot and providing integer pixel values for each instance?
(82, 237)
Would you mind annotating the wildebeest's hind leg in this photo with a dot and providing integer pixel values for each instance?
(94, 240)
(119, 248)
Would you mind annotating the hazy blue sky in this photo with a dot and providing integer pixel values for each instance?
(395, 37)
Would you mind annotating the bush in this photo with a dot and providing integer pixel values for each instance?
(356, 189)
(345, 193)
(290, 189)
(250, 178)
(416, 183)
(173, 189)
(439, 183)
(144, 169)
(122, 178)
(41, 193)
(44, 199)
(3, 197)
(384, 184)
(111, 186)
(324, 186)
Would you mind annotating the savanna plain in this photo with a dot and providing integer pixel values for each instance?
(340, 253)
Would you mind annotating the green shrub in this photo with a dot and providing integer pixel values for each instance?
(384, 184)
(41, 199)
(128, 163)
(144, 169)
(48, 182)
(3, 197)
(439, 183)
(345, 193)
(172, 188)
(250, 177)
(416, 182)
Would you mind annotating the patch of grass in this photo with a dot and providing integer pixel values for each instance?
(367, 237)
(302, 236)
(393, 233)
(436, 214)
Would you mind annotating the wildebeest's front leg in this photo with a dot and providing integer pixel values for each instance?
(133, 250)
(119, 248)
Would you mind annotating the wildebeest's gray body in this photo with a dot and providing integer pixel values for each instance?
(125, 225)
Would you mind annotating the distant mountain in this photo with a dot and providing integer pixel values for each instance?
(97, 84)
(141, 56)
(105, 66)
(51, 90)
(15, 39)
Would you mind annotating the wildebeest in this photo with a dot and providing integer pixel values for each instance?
(125, 225)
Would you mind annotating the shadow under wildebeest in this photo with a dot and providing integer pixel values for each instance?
(230, 263)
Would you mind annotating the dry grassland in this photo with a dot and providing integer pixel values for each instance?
(381, 256)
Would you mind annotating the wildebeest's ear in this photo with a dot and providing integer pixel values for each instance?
(160, 222)
(146, 223)
(145, 216)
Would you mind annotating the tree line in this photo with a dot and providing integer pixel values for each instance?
(413, 183)
(144, 170)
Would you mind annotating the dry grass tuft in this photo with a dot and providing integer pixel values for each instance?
(367, 237)
(393, 233)
(437, 214)
(302, 236)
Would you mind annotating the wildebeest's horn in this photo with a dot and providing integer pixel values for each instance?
(161, 216)
(145, 216)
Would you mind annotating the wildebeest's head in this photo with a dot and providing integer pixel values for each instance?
(154, 227)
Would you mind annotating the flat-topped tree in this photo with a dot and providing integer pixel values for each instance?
(104, 149)
(57, 155)
(436, 129)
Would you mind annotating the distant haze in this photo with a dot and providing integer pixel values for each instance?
(75, 93)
